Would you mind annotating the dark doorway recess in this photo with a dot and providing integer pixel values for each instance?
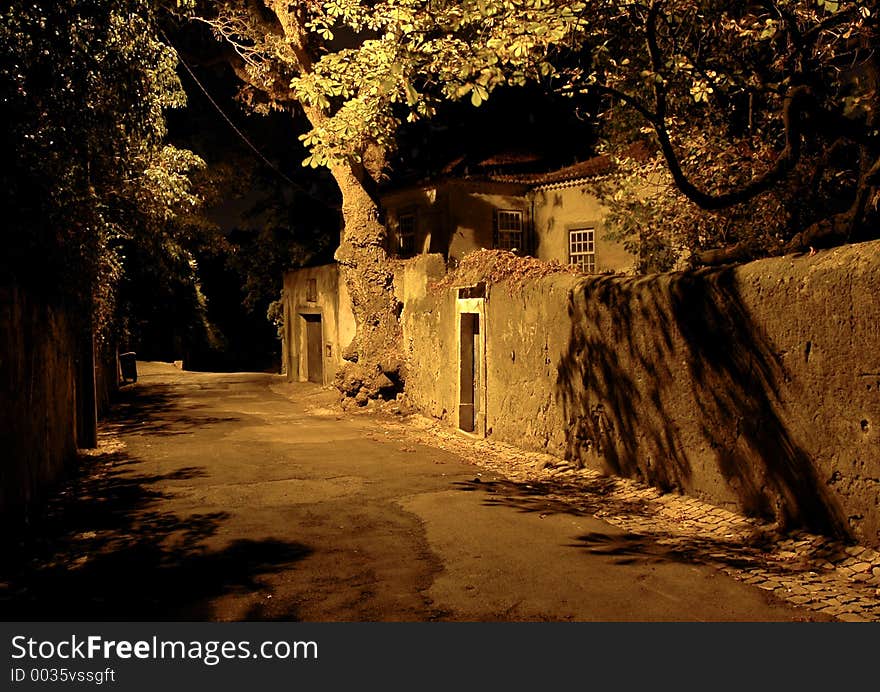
(469, 371)
(314, 351)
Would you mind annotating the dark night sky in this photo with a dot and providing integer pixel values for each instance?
(513, 121)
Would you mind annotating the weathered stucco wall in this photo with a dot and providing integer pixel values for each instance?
(414, 277)
(327, 297)
(429, 336)
(472, 214)
(561, 208)
(429, 344)
(37, 399)
(456, 217)
(526, 335)
(430, 206)
(755, 387)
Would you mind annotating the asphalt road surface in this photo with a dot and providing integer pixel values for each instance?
(241, 497)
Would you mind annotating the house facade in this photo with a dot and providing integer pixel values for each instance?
(456, 216)
(551, 216)
(318, 320)
(318, 324)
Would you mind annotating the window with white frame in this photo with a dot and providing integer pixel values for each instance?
(406, 234)
(509, 229)
(582, 249)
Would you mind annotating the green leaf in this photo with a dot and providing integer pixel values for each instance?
(463, 90)
(479, 94)
(412, 96)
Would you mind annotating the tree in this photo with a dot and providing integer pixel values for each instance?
(261, 214)
(86, 86)
(270, 225)
(789, 86)
(764, 113)
(357, 71)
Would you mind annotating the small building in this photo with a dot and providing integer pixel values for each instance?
(318, 324)
(455, 216)
(550, 216)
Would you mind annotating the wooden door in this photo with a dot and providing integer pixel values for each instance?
(314, 351)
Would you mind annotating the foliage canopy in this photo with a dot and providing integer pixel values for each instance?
(764, 113)
(86, 86)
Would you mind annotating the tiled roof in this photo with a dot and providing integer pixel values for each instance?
(513, 168)
(591, 168)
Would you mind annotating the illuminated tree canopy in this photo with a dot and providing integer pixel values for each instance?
(763, 114)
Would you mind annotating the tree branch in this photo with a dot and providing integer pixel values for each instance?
(629, 100)
(793, 107)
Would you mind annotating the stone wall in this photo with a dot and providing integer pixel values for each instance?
(756, 388)
(427, 322)
(106, 377)
(37, 398)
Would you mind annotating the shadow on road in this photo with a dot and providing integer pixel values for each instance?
(629, 548)
(106, 549)
(158, 411)
(536, 496)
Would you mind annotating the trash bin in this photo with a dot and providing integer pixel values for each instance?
(128, 366)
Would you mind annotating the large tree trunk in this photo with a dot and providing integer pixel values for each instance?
(375, 367)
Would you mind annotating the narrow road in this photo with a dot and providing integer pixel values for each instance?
(242, 496)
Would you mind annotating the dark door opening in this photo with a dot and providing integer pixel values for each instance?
(469, 371)
(314, 351)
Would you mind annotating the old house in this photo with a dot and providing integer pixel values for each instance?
(553, 216)
(318, 323)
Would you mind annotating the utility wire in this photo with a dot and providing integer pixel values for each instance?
(237, 131)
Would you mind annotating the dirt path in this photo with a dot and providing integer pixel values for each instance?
(240, 496)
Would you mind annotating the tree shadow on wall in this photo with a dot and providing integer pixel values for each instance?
(647, 355)
(105, 548)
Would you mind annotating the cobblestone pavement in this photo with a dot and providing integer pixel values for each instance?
(809, 571)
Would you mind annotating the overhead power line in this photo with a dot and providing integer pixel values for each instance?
(235, 128)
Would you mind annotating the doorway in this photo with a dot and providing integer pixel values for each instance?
(314, 349)
(469, 371)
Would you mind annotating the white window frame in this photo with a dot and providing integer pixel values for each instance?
(582, 248)
(509, 229)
